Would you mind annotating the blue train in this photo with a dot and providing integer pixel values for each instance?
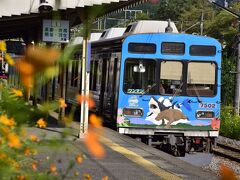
(163, 88)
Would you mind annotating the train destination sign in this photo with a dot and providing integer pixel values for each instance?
(56, 31)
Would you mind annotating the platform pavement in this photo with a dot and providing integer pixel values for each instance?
(125, 158)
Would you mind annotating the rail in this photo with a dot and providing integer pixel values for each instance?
(229, 152)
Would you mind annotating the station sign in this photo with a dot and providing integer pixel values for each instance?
(55, 31)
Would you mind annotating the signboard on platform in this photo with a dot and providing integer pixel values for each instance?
(56, 31)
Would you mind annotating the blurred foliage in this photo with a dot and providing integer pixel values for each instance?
(142, 16)
(14, 107)
(228, 80)
(229, 123)
(18, 148)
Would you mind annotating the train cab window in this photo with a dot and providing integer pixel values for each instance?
(142, 48)
(201, 50)
(140, 76)
(171, 78)
(201, 79)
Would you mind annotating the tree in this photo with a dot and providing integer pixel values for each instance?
(171, 9)
(142, 16)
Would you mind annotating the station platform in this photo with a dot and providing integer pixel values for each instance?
(126, 158)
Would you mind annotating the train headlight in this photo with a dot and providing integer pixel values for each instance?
(132, 112)
(204, 114)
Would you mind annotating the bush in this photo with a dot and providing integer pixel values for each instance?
(229, 123)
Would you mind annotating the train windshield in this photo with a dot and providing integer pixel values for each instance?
(140, 76)
(171, 78)
(201, 77)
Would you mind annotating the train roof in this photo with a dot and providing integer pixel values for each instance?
(139, 27)
(112, 33)
(147, 26)
(95, 36)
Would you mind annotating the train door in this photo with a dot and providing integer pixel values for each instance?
(110, 86)
(104, 68)
(98, 92)
(94, 78)
(106, 98)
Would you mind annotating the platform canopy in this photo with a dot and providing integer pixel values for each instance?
(23, 18)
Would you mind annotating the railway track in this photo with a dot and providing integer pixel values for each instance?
(227, 151)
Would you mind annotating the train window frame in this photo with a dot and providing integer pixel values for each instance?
(204, 91)
(173, 53)
(149, 87)
(200, 52)
(137, 45)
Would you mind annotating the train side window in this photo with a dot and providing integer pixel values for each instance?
(74, 73)
(99, 75)
(201, 79)
(94, 69)
(171, 78)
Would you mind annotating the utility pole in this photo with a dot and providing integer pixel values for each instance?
(237, 87)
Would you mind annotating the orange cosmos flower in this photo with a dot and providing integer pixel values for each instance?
(26, 71)
(17, 93)
(27, 152)
(105, 178)
(87, 99)
(62, 103)
(34, 138)
(227, 173)
(7, 122)
(21, 177)
(27, 81)
(79, 159)
(87, 176)
(93, 144)
(24, 67)
(53, 168)
(13, 140)
(41, 123)
(95, 121)
(34, 166)
(41, 57)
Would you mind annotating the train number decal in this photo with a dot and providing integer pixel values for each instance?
(207, 105)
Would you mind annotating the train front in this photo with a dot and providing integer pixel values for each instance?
(170, 89)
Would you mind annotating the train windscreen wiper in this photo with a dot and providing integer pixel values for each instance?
(148, 89)
(198, 96)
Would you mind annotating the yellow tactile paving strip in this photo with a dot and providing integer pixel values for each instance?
(140, 160)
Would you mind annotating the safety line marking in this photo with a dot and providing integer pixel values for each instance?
(140, 160)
